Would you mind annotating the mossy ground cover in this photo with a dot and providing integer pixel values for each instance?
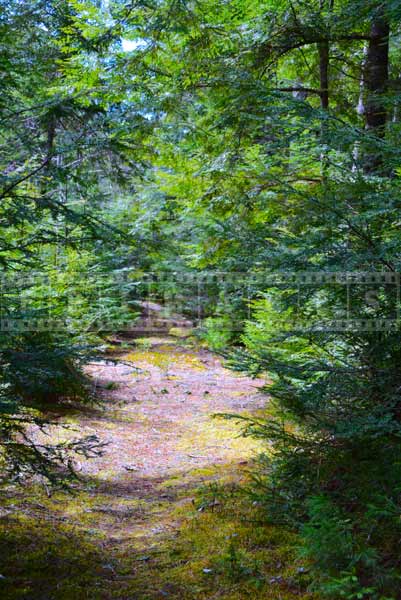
(159, 515)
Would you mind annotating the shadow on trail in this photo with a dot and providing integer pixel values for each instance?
(43, 558)
(106, 540)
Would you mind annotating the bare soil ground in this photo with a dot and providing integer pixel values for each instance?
(159, 417)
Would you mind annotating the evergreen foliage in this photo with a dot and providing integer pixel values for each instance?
(281, 136)
(61, 158)
(251, 137)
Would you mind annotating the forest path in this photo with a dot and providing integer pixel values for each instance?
(158, 515)
(157, 422)
(159, 398)
(159, 401)
(129, 530)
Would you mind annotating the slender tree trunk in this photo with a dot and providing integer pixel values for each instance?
(324, 74)
(360, 109)
(324, 49)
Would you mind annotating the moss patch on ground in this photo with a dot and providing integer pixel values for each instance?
(201, 543)
(164, 357)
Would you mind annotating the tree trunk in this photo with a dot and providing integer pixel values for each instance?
(324, 74)
(376, 76)
(376, 83)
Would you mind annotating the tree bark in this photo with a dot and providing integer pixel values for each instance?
(324, 74)
(376, 75)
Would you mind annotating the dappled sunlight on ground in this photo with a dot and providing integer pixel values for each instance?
(155, 516)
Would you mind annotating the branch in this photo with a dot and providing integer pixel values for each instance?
(301, 89)
(312, 39)
(8, 189)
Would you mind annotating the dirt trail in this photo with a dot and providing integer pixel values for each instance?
(162, 444)
(136, 527)
(158, 419)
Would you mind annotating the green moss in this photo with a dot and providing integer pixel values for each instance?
(45, 558)
(97, 543)
(163, 360)
(221, 553)
(180, 332)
